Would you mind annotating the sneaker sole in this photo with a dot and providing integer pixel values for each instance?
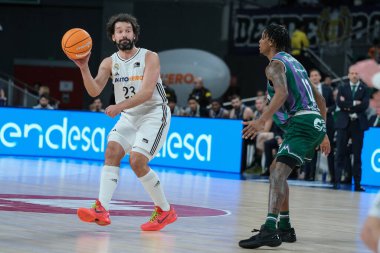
(288, 240)
(276, 244)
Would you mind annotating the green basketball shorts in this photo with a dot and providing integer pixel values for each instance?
(303, 134)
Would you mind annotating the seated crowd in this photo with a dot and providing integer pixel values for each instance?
(261, 150)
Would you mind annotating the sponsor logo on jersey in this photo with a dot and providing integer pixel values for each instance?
(320, 125)
(125, 79)
(136, 78)
(121, 79)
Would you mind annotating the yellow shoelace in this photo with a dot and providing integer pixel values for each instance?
(154, 215)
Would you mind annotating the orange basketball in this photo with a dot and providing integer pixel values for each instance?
(76, 43)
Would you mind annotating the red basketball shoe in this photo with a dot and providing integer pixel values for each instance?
(159, 219)
(96, 214)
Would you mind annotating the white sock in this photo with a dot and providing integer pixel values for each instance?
(152, 185)
(108, 183)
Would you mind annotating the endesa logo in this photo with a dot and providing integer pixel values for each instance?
(53, 133)
(203, 144)
(56, 136)
(371, 157)
(375, 160)
(192, 143)
(187, 147)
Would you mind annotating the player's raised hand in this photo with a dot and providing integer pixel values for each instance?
(83, 62)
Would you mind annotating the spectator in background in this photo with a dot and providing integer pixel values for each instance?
(371, 230)
(371, 110)
(374, 51)
(299, 40)
(240, 110)
(374, 121)
(259, 106)
(200, 93)
(328, 81)
(170, 93)
(3, 98)
(193, 109)
(233, 89)
(35, 89)
(351, 122)
(270, 146)
(245, 113)
(260, 93)
(266, 133)
(97, 105)
(43, 103)
(43, 90)
(174, 108)
(172, 100)
(217, 111)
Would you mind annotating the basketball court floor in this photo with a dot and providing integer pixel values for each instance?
(39, 198)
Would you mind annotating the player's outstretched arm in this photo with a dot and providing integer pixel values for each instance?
(94, 86)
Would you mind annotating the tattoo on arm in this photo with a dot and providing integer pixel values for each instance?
(275, 72)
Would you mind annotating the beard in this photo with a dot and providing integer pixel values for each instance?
(125, 44)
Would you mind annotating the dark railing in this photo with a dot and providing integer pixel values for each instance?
(18, 93)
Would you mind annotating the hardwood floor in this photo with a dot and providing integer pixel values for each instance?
(39, 198)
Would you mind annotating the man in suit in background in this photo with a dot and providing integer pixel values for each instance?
(353, 101)
(374, 121)
(327, 93)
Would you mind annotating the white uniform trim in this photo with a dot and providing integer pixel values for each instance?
(304, 112)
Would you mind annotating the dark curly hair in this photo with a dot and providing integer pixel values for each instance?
(123, 17)
(279, 35)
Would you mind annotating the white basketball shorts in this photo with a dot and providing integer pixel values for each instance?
(145, 133)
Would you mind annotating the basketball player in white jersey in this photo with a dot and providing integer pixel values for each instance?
(143, 125)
